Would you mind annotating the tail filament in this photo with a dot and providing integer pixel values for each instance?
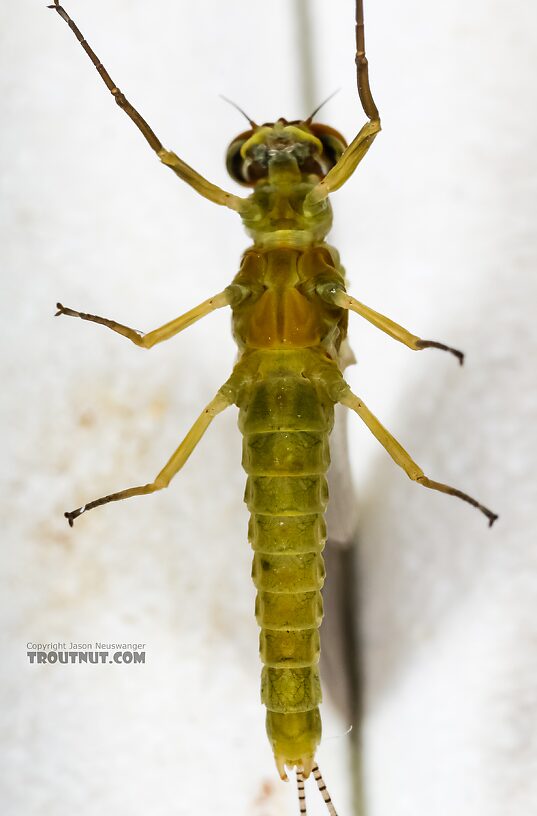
(322, 788)
(301, 793)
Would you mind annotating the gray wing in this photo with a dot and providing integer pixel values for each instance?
(339, 635)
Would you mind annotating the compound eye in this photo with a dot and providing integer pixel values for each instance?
(333, 144)
(235, 163)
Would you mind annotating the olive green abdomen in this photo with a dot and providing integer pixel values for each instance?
(286, 425)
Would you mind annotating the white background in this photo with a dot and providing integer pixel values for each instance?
(437, 231)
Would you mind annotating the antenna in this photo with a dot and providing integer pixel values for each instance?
(233, 104)
(318, 108)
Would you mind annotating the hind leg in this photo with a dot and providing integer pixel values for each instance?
(403, 459)
(173, 466)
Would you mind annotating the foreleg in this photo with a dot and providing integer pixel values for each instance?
(355, 152)
(183, 170)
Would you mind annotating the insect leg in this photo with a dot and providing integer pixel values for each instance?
(402, 458)
(186, 173)
(336, 295)
(172, 467)
(362, 67)
(347, 164)
(359, 146)
(232, 295)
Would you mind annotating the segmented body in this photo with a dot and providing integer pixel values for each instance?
(286, 384)
(290, 312)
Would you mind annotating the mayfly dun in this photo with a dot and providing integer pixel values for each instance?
(290, 309)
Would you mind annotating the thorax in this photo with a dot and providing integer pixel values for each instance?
(283, 310)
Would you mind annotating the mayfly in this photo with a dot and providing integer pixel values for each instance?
(289, 309)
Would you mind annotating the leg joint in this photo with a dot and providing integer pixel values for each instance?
(417, 475)
(159, 484)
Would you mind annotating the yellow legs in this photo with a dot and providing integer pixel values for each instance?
(230, 296)
(172, 467)
(402, 458)
(183, 170)
(337, 296)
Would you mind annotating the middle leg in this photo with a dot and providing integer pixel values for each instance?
(336, 295)
(231, 296)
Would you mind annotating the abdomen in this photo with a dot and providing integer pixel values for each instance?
(286, 420)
